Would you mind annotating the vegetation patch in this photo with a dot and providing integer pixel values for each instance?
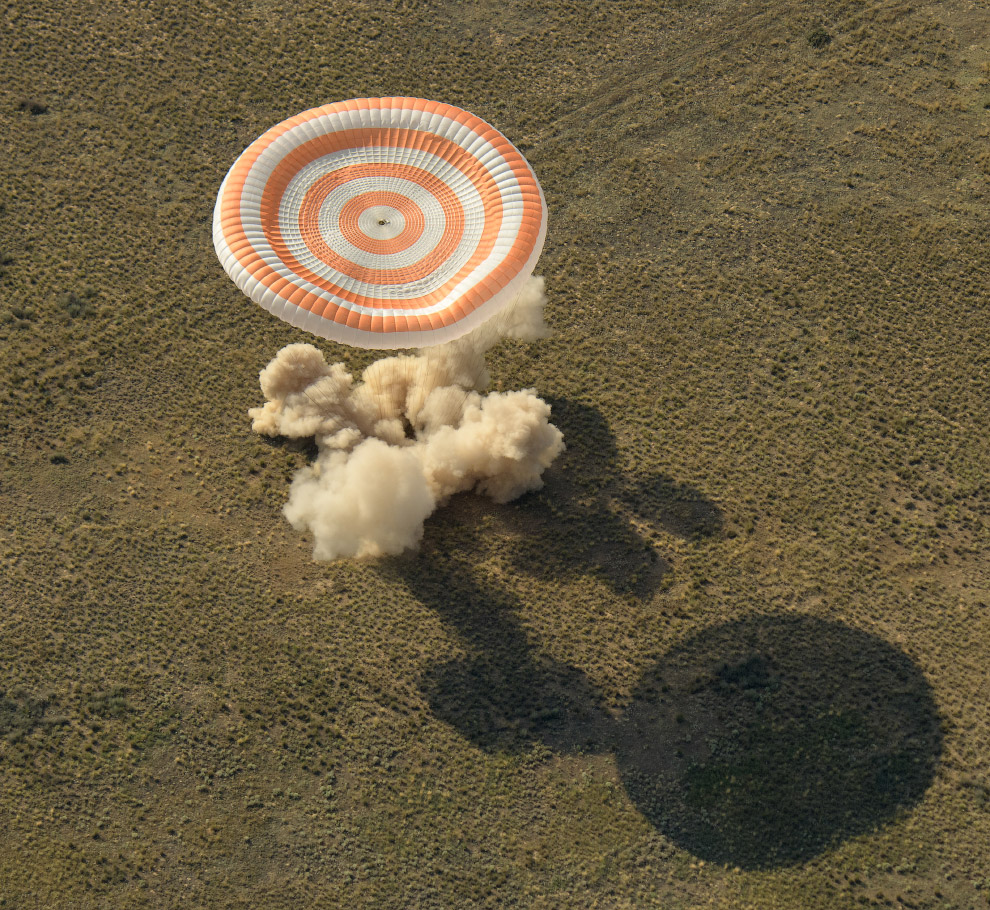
(818, 38)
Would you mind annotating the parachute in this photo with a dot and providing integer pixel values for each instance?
(381, 222)
(392, 223)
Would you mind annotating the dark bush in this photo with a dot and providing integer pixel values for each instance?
(819, 38)
(33, 107)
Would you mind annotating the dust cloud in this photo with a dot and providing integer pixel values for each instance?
(414, 430)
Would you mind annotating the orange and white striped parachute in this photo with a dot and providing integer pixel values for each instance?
(381, 222)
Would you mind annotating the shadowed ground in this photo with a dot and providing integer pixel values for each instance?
(765, 741)
(758, 743)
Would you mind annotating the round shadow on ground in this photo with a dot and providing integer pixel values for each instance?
(766, 741)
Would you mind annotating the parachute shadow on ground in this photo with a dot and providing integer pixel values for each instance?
(764, 742)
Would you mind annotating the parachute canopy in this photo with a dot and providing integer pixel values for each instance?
(381, 222)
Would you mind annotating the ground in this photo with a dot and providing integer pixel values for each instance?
(733, 655)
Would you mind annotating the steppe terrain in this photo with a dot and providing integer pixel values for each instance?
(734, 654)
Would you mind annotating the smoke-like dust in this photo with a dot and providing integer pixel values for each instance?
(413, 431)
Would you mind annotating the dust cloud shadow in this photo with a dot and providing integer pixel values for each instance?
(299, 445)
(678, 508)
(764, 742)
(585, 518)
(505, 694)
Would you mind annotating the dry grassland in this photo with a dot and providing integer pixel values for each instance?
(735, 654)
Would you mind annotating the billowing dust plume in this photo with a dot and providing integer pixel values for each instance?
(412, 432)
